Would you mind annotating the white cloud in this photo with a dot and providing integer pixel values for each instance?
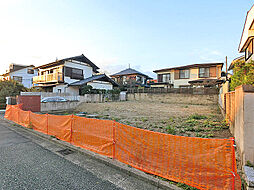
(207, 55)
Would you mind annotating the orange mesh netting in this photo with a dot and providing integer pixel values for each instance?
(93, 134)
(60, 127)
(23, 118)
(198, 162)
(39, 122)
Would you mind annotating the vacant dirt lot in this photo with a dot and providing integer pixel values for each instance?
(187, 118)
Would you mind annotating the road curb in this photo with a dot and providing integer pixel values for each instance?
(103, 159)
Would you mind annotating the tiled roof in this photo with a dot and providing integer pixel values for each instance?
(102, 77)
(80, 58)
(128, 71)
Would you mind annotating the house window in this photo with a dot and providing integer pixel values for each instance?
(249, 50)
(16, 78)
(30, 71)
(77, 71)
(74, 73)
(166, 78)
(184, 74)
(204, 72)
(139, 79)
(124, 79)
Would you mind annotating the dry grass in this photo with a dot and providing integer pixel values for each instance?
(180, 118)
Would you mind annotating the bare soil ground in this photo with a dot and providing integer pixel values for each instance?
(179, 118)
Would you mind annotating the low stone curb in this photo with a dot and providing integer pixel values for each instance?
(249, 177)
(103, 159)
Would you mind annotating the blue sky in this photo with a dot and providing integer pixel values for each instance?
(146, 34)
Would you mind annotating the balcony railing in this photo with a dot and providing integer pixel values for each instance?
(48, 78)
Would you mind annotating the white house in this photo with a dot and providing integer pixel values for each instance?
(21, 73)
(69, 74)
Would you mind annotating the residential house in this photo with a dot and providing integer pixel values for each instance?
(246, 42)
(21, 73)
(131, 78)
(206, 74)
(69, 74)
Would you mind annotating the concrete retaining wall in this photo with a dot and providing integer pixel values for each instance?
(87, 98)
(174, 98)
(58, 106)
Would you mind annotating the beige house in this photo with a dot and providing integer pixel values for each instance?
(246, 42)
(206, 74)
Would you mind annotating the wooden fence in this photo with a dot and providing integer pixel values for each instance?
(230, 109)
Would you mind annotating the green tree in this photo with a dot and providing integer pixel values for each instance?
(35, 89)
(10, 88)
(243, 74)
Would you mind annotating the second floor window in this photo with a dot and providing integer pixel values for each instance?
(249, 50)
(204, 72)
(184, 74)
(30, 71)
(164, 77)
(74, 73)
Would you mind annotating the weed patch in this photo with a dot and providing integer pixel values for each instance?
(171, 130)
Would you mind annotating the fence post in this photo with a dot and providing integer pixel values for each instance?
(114, 140)
(72, 120)
(47, 123)
(233, 162)
(29, 118)
(18, 115)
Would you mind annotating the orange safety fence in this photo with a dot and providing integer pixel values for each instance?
(39, 122)
(198, 162)
(93, 134)
(60, 127)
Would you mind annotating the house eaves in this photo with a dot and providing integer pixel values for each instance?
(190, 66)
(248, 30)
(102, 77)
(80, 58)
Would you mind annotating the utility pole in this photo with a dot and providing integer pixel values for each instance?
(226, 64)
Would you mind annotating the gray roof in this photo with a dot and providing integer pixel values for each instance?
(80, 58)
(102, 77)
(129, 71)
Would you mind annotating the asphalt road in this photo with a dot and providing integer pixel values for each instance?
(30, 162)
(26, 165)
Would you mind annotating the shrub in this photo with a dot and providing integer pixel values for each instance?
(88, 89)
(10, 88)
(243, 74)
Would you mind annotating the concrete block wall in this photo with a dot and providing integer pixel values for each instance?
(244, 122)
(174, 98)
